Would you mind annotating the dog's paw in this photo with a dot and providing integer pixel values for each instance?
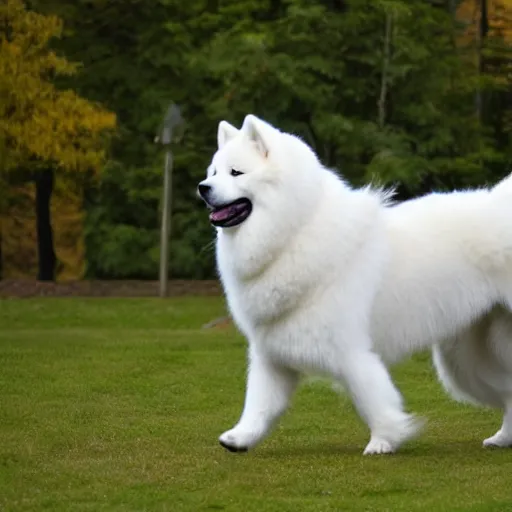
(390, 436)
(238, 441)
(498, 440)
(378, 446)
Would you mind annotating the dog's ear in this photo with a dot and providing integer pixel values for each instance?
(225, 133)
(257, 131)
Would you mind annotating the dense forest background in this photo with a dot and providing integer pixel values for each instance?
(411, 93)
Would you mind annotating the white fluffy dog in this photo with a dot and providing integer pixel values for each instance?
(325, 279)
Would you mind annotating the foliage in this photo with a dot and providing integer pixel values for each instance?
(134, 61)
(404, 93)
(328, 89)
(40, 124)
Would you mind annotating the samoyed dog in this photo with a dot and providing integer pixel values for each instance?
(326, 279)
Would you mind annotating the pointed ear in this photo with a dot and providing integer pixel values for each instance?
(225, 133)
(257, 131)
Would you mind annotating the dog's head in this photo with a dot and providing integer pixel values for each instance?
(236, 171)
(256, 169)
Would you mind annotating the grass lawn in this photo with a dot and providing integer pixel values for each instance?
(116, 404)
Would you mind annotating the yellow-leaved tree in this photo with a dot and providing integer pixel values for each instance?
(43, 130)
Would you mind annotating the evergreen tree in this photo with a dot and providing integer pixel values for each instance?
(383, 90)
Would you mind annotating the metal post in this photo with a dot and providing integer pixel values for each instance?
(166, 225)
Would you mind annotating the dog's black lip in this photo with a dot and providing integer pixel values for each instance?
(234, 221)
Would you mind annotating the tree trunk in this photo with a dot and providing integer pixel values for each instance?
(482, 30)
(46, 254)
(386, 58)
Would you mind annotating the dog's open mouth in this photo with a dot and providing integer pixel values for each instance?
(232, 214)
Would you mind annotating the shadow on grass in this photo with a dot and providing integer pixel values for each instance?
(417, 449)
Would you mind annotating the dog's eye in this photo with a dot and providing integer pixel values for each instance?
(235, 172)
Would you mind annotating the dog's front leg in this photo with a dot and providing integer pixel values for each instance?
(269, 389)
(376, 398)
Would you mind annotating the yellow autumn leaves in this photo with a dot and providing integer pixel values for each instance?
(39, 123)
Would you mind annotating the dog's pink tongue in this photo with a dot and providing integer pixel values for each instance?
(222, 214)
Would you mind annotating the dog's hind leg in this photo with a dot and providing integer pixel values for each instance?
(503, 437)
(476, 367)
(501, 336)
(500, 343)
(269, 389)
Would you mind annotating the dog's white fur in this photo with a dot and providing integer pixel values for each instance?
(322, 278)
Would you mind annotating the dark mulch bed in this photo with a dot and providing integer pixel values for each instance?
(27, 288)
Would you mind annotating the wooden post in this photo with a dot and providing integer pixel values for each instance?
(166, 225)
(168, 132)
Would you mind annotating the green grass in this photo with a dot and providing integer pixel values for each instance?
(116, 405)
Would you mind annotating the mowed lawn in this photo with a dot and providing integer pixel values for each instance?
(116, 404)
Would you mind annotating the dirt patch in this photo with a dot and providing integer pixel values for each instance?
(177, 288)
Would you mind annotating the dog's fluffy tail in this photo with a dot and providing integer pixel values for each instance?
(504, 188)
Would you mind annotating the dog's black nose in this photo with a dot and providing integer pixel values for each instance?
(204, 190)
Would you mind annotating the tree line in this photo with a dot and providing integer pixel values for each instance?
(415, 94)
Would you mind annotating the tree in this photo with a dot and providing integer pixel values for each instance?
(136, 60)
(43, 129)
(382, 89)
(378, 89)
(485, 44)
